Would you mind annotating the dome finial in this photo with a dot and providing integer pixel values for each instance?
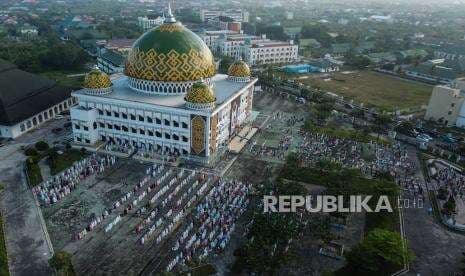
(170, 17)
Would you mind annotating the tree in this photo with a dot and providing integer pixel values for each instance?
(380, 250)
(61, 261)
(449, 207)
(224, 64)
(382, 123)
(41, 146)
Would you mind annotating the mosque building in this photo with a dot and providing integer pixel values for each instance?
(169, 99)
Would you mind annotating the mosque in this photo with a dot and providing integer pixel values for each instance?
(169, 99)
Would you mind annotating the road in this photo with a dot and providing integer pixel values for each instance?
(438, 251)
(26, 243)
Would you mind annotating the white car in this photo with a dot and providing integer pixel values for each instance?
(424, 138)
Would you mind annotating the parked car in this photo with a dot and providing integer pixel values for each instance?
(448, 138)
(422, 138)
(426, 136)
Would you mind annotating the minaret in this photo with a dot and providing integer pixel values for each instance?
(170, 17)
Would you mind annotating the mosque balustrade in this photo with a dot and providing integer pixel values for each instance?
(162, 87)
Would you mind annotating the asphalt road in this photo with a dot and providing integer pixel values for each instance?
(438, 251)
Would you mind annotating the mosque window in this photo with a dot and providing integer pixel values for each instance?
(141, 118)
(141, 131)
(149, 120)
(167, 136)
(157, 121)
(133, 117)
(133, 130)
(124, 115)
(175, 124)
(167, 123)
(184, 125)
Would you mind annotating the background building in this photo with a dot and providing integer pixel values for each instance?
(446, 104)
(28, 100)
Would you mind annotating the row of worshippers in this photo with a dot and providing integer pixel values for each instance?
(151, 173)
(167, 202)
(215, 217)
(120, 147)
(452, 179)
(62, 184)
(168, 155)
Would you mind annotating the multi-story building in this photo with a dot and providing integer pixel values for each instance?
(169, 100)
(252, 49)
(123, 46)
(270, 52)
(446, 104)
(149, 22)
(236, 15)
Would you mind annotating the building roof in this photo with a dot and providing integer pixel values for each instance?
(382, 57)
(309, 42)
(23, 95)
(113, 57)
(413, 53)
(292, 30)
(223, 90)
(434, 70)
(119, 43)
(340, 47)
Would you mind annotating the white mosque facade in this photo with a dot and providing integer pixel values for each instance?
(169, 99)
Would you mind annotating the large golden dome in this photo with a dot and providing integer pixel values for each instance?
(239, 69)
(97, 79)
(200, 93)
(170, 53)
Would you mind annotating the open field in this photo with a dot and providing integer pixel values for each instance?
(72, 79)
(374, 89)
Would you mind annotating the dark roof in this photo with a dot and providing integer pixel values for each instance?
(438, 71)
(23, 94)
(113, 57)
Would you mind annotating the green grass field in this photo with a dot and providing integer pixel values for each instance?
(65, 78)
(66, 159)
(375, 89)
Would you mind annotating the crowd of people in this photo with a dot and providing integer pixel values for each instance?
(213, 222)
(59, 186)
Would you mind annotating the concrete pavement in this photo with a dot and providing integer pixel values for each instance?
(26, 244)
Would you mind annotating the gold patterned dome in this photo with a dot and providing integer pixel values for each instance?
(239, 69)
(97, 79)
(200, 93)
(170, 53)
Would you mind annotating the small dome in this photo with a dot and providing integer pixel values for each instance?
(97, 79)
(239, 69)
(200, 93)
